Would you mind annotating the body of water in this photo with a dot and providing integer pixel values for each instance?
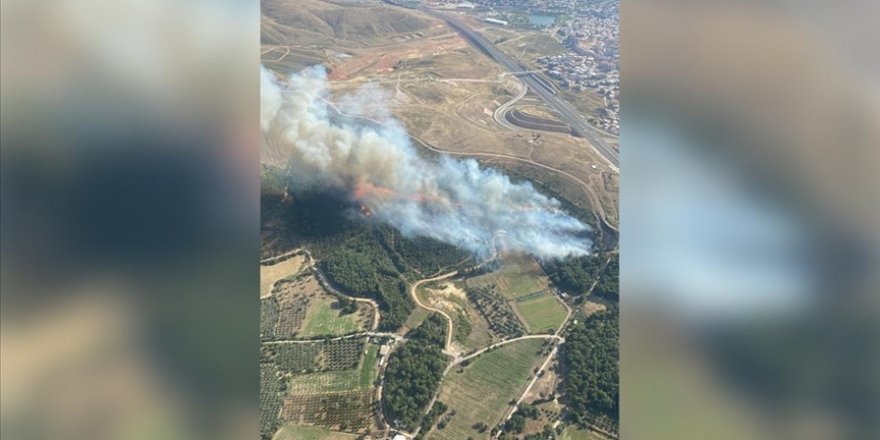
(541, 20)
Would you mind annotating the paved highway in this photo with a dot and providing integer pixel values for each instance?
(569, 114)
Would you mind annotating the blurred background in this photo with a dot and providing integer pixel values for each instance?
(750, 224)
(749, 208)
(129, 219)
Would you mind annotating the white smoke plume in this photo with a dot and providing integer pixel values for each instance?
(454, 201)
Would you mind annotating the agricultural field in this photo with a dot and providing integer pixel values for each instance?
(482, 392)
(540, 312)
(294, 432)
(503, 322)
(299, 307)
(270, 398)
(268, 318)
(336, 380)
(521, 287)
(324, 317)
(270, 273)
(478, 334)
(573, 433)
(313, 356)
(335, 393)
(349, 411)
(517, 277)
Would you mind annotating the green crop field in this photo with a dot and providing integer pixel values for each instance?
(541, 313)
(293, 432)
(483, 391)
(270, 398)
(520, 282)
(368, 369)
(337, 381)
(514, 279)
(572, 433)
(322, 318)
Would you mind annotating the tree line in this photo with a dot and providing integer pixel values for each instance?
(577, 274)
(590, 358)
(414, 372)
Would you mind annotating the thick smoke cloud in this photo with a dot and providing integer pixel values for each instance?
(454, 201)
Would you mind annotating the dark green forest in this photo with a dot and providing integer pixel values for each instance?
(576, 274)
(608, 286)
(590, 359)
(432, 330)
(414, 372)
(366, 271)
(360, 258)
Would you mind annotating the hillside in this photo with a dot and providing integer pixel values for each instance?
(342, 23)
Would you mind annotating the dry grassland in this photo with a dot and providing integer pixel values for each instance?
(442, 90)
(272, 273)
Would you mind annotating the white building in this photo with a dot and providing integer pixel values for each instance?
(495, 21)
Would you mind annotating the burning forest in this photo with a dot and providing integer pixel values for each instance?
(450, 200)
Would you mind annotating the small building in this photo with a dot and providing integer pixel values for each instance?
(495, 21)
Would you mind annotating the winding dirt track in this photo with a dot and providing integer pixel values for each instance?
(412, 291)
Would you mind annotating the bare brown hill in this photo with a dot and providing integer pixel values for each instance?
(347, 24)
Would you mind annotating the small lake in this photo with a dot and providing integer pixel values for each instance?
(541, 20)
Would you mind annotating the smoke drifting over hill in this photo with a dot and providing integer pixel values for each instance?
(454, 201)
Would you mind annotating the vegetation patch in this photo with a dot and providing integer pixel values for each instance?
(336, 393)
(416, 318)
(268, 318)
(482, 392)
(270, 273)
(517, 277)
(294, 432)
(577, 275)
(271, 397)
(573, 433)
(430, 419)
(368, 272)
(291, 315)
(541, 313)
(314, 356)
(325, 382)
(345, 411)
(503, 323)
(608, 286)
(590, 359)
(414, 372)
(425, 256)
(299, 357)
(326, 316)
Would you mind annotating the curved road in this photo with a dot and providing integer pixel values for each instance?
(502, 109)
(597, 205)
(566, 111)
(412, 291)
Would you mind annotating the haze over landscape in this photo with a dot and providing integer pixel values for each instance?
(439, 220)
(454, 201)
